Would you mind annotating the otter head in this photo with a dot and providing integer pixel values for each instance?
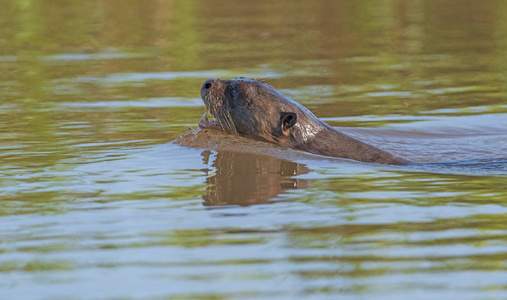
(254, 109)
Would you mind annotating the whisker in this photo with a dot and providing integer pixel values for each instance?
(230, 123)
(223, 116)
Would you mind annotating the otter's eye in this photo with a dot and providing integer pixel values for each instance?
(234, 92)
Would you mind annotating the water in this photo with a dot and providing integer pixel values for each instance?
(98, 202)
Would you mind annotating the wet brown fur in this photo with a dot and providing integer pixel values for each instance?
(254, 109)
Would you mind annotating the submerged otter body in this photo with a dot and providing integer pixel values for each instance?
(255, 110)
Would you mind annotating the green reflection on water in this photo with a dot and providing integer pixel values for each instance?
(85, 86)
(37, 266)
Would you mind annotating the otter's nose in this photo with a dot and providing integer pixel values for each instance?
(207, 84)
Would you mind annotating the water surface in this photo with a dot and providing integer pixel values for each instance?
(98, 202)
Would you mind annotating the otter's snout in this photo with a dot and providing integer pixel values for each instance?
(207, 85)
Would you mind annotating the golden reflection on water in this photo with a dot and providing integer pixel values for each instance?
(96, 200)
(246, 179)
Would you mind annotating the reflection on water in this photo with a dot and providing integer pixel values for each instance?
(246, 179)
(97, 201)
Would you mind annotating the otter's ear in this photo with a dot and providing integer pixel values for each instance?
(288, 119)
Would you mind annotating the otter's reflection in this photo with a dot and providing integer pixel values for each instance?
(246, 179)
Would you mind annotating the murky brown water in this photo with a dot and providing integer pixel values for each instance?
(97, 201)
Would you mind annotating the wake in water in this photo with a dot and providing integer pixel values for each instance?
(489, 165)
(465, 145)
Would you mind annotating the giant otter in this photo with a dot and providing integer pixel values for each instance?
(255, 110)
